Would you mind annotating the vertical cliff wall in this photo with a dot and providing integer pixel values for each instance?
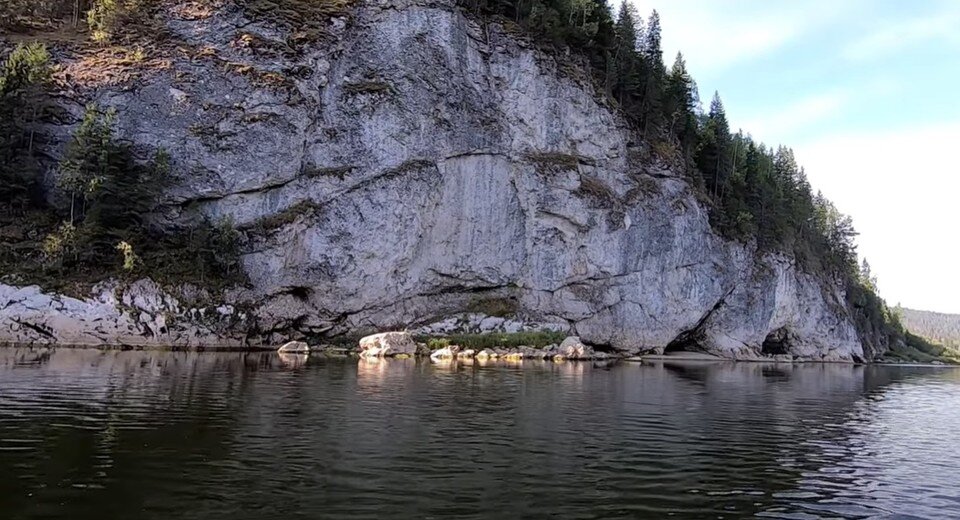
(415, 164)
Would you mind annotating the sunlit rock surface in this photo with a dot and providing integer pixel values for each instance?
(421, 167)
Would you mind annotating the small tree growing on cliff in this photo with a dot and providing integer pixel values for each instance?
(91, 158)
(109, 192)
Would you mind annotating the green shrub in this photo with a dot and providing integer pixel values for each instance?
(109, 196)
(438, 343)
(500, 307)
(506, 340)
(106, 17)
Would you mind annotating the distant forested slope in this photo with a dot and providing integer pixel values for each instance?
(940, 327)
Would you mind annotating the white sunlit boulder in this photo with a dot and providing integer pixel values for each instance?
(388, 344)
(294, 347)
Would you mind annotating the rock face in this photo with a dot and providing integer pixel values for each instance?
(428, 164)
(138, 314)
(388, 344)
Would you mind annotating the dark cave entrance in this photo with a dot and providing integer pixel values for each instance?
(686, 342)
(777, 343)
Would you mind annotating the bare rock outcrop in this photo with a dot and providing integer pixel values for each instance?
(428, 165)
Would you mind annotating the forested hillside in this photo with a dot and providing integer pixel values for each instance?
(755, 191)
(937, 326)
(96, 226)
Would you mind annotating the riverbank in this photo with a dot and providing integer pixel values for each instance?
(510, 355)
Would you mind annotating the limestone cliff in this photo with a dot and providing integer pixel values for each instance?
(416, 164)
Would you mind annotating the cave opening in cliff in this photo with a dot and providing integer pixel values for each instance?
(686, 342)
(777, 343)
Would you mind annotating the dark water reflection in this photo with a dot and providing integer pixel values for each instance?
(89, 434)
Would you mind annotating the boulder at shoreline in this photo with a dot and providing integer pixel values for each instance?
(294, 347)
(388, 344)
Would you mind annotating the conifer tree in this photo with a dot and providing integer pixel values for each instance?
(652, 39)
(714, 156)
(681, 103)
(627, 64)
(22, 80)
(653, 77)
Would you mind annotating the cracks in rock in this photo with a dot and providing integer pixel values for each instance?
(645, 173)
(475, 153)
(565, 221)
(462, 287)
(39, 329)
(591, 279)
(11, 303)
(339, 320)
(390, 173)
(258, 189)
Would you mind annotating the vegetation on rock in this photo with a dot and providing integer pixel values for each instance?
(497, 340)
(755, 193)
(101, 230)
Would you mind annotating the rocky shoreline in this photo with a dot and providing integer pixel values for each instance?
(143, 315)
(401, 345)
(571, 349)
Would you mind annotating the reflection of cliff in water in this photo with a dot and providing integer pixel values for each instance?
(234, 433)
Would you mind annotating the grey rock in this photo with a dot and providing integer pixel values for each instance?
(449, 352)
(573, 348)
(487, 354)
(458, 180)
(388, 344)
(139, 314)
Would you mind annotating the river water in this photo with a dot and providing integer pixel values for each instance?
(89, 434)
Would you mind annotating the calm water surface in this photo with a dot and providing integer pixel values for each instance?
(90, 434)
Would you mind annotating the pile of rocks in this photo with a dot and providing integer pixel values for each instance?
(402, 345)
(571, 348)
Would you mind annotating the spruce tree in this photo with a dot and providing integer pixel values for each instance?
(23, 77)
(681, 104)
(627, 82)
(652, 38)
(653, 75)
(715, 153)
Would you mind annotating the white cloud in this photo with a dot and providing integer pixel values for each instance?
(783, 124)
(901, 34)
(715, 34)
(775, 127)
(901, 187)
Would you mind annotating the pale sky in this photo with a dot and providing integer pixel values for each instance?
(865, 92)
